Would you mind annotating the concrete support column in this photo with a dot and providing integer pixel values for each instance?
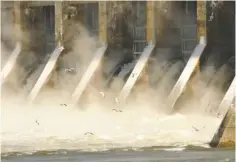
(103, 21)
(158, 23)
(18, 19)
(59, 23)
(151, 36)
(201, 19)
(201, 24)
(228, 136)
(151, 33)
(58, 38)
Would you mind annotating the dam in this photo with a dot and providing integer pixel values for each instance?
(117, 74)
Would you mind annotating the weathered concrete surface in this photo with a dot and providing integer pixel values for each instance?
(59, 22)
(103, 22)
(58, 36)
(201, 18)
(151, 21)
(228, 136)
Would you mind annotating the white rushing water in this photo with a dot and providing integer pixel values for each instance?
(45, 127)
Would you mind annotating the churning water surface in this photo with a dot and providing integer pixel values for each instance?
(59, 127)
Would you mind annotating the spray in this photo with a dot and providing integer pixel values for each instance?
(52, 124)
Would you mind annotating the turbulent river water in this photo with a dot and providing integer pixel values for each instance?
(28, 129)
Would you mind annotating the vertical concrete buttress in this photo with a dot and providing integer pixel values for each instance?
(201, 19)
(151, 21)
(17, 18)
(151, 32)
(103, 21)
(102, 24)
(201, 24)
(158, 24)
(20, 25)
(59, 23)
(58, 36)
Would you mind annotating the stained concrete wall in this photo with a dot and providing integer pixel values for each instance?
(228, 129)
(175, 24)
(220, 33)
(221, 47)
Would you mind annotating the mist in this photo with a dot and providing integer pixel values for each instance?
(51, 123)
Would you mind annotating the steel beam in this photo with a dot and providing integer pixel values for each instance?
(45, 75)
(194, 61)
(135, 74)
(98, 56)
(87, 77)
(9, 66)
(18, 25)
(143, 59)
(185, 75)
(222, 110)
(227, 101)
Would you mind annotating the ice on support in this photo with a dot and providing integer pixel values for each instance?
(7, 69)
(45, 74)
